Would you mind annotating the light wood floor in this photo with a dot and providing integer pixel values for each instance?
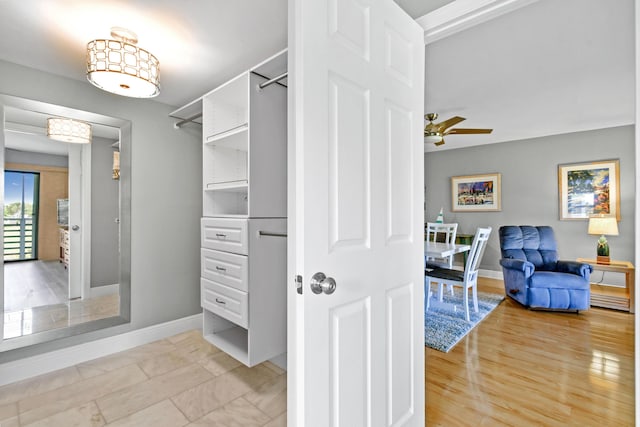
(520, 367)
(47, 317)
(516, 368)
(35, 283)
(36, 299)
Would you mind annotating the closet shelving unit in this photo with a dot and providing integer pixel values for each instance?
(244, 203)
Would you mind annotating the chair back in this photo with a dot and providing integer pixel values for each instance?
(534, 244)
(476, 252)
(435, 228)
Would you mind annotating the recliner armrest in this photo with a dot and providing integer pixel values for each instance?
(574, 267)
(518, 264)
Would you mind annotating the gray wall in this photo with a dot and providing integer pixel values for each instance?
(31, 158)
(529, 171)
(166, 200)
(105, 193)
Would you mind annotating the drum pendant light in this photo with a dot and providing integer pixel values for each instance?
(121, 67)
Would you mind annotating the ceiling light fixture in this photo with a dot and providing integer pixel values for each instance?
(69, 130)
(120, 67)
(432, 137)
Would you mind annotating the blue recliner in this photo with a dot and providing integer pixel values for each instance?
(534, 277)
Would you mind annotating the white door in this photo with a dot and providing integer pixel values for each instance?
(356, 77)
(75, 221)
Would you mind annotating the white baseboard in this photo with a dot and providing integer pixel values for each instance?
(28, 367)
(491, 274)
(280, 361)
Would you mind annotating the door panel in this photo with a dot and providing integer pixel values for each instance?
(356, 87)
(349, 180)
(399, 173)
(350, 376)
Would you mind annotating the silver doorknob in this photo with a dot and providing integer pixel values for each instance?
(75, 227)
(321, 283)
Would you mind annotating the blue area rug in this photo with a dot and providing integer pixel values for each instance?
(444, 327)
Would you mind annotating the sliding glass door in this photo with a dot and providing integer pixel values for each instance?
(21, 191)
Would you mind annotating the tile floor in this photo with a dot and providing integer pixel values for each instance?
(47, 317)
(175, 382)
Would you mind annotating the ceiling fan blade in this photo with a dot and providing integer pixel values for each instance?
(460, 131)
(449, 122)
(437, 144)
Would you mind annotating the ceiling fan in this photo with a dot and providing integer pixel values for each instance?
(435, 132)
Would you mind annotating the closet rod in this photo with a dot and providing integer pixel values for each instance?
(191, 119)
(271, 233)
(273, 80)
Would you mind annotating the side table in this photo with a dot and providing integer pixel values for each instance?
(612, 296)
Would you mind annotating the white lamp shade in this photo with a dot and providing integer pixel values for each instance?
(69, 130)
(122, 68)
(432, 138)
(603, 225)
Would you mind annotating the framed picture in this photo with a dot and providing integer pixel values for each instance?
(476, 193)
(589, 188)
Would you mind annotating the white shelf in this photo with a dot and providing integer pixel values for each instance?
(232, 186)
(233, 341)
(236, 138)
(236, 216)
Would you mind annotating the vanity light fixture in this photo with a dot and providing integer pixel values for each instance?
(69, 130)
(121, 67)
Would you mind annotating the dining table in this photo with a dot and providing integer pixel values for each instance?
(442, 250)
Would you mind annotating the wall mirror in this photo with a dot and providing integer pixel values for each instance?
(66, 224)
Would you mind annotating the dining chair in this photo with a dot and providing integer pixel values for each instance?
(449, 232)
(467, 279)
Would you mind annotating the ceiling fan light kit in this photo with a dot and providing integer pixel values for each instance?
(119, 66)
(69, 130)
(433, 138)
(435, 132)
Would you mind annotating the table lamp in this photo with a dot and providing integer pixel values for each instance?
(603, 225)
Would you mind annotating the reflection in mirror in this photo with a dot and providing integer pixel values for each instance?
(66, 222)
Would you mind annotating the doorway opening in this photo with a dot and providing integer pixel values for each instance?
(22, 195)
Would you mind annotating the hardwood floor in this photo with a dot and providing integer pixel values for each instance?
(520, 367)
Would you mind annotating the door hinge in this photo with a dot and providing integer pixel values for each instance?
(299, 284)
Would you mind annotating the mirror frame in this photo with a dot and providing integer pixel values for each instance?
(125, 221)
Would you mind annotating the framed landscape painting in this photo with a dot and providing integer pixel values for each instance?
(589, 188)
(476, 193)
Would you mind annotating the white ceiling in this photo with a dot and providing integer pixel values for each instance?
(199, 43)
(550, 67)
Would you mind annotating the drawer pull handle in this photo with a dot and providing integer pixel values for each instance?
(220, 268)
(221, 235)
(219, 301)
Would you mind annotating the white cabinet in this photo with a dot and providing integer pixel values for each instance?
(244, 296)
(244, 204)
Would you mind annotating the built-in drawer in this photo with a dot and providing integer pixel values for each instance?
(224, 301)
(225, 268)
(225, 234)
